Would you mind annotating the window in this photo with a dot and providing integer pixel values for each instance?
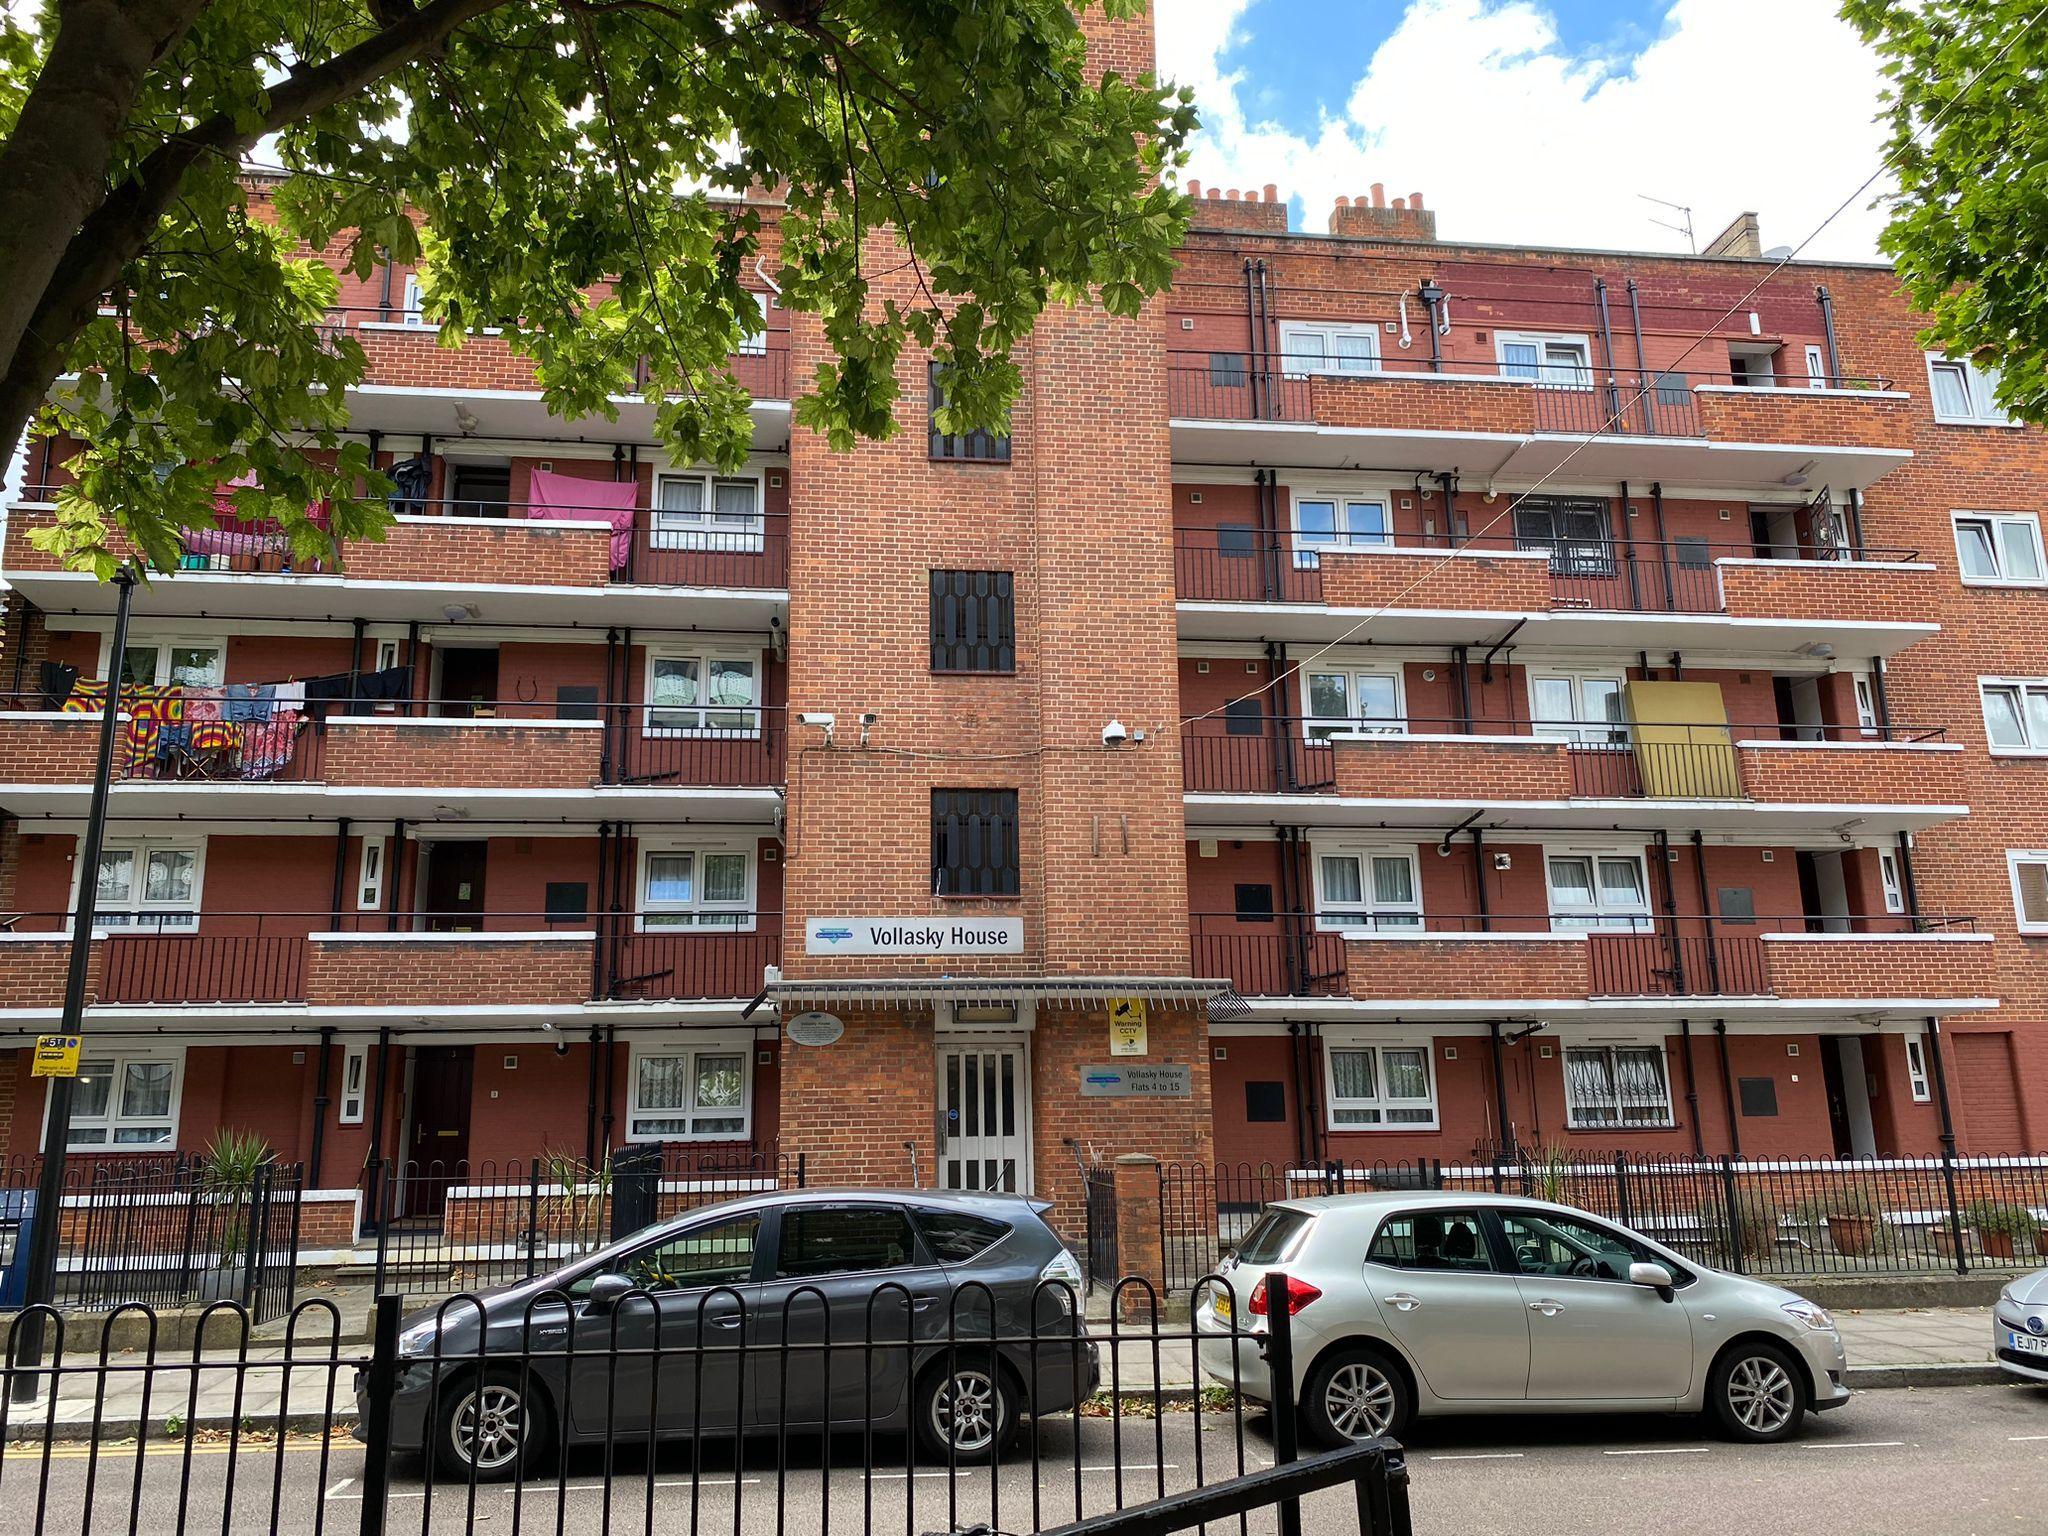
(1866, 703)
(704, 511)
(1354, 700)
(1916, 1069)
(370, 878)
(719, 1254)
(1339, 522)
(1597, 891)
(2015, 713)
(1582, 707)
(1244, 717)
(1607, 1085)
(976, 447)
(172, 664)
(1432, 1240)
(690, 1094)
(973, 621)
(843, 1240)
(148, 885)
(1273, 1237)
(1367, 890)
(1817, 368)
(954, 1237)
(126, 1100)
(974, 843)
(355, 1072)
(1964, 393)
(1568, 1248)
(1227, 370)
(1752, 368)
(1560, 361)
(1573, 530)
(1999, 549)
(1380, 1087)
(412, 315)
(1254, 903)
(696, 888)
(2029, 873)
(690, 693)
(1888, 875)
(1306, 349)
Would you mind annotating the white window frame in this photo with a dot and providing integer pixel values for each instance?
(161, 669)
(120, 1056)
(1542, 341)
(1891, 878)
(1298, 364)
(1579, 729)
(1601, 916)
(1575, 1117)
(2019, 688)
(1308, 551)
(696, 915)
(355, 1081)
(1980, 392)
(692, 1048)
(1320, 727)
(1368, 913)
(370, 874)
(1995, 526)
(1816, 367)
(1917, 1082)
(707, 714)
(162, 917)
(411, 314)
(2014, 858)
(1381, 1104)
(727, 533)
(1864, 692)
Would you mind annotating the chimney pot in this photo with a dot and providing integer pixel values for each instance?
(1272, 192)
(1399, 204)
(1232, 194)
(1194, 189)
(1213, 194)
(1379, 194)
(1343, 201)
(1415, 201)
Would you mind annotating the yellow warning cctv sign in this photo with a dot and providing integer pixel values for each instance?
(1127, 1026)
(56, 1056)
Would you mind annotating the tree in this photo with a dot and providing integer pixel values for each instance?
(568, 170)
(1969, 138)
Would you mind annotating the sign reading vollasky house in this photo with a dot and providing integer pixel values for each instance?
(914, 936)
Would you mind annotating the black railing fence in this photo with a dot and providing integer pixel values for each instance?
(163, 1231)
(1774, 1216)
(691, 1410)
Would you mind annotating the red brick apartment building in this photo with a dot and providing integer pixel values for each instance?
(1467, 694)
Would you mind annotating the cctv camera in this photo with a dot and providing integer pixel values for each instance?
(1114, 734)
(824, 722)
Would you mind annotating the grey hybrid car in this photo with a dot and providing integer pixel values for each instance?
(717, 1322)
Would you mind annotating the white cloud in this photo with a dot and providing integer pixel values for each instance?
(1763, 105)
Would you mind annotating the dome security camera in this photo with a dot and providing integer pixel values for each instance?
(1114, 734)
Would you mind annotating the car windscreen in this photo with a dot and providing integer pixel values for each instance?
(1273, 1236)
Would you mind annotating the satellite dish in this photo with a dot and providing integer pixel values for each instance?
(1779, 253)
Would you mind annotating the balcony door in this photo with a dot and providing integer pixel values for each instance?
(454, 899)
(984, 1116)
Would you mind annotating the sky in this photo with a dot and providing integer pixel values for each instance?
(1541, 121)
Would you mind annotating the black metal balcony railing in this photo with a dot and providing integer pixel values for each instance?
(262, 957)
(1244, 386)
(1277, 755)
(1238, 565)
(1304, 955)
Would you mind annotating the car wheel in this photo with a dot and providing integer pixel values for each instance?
(1355, 1394)
(966, 1410)
(502, 1418)
(1757, 1393)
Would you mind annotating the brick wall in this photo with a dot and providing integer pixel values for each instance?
(447, 972)
(32, 971)
(851, 1106)
(513, 552)
(1436, 579)
(1821, 589)
(50, 751)
(1918, 965)
(1454, 967)
(1852, 773)
(446, 755)
(1855, 418)
(1392, 768)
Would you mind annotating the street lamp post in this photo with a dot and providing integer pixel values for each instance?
(42, 1249)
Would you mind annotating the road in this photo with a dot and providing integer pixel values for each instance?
(1958, 1462)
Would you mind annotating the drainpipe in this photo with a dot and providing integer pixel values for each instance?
(1948, 1142)
(1692, 1090)
(1856, 523)
(1827, 325)
(1265, 505)
(1479, 879)
(1728, 1090)
(624, 711)
(384, 291)
(611, 692)
(340, 861)
(1663, 542)
(1699, 869)
(1908, 887)
(598, 986)
(1284, 774)
(590, 1101)
(1293, 960)
(1672, 946)
(611, 1073)
(377, 1103)
(1251, 336)
(1461, 671)
(355, 661)
(1607, 350)
(1643, 381)
(1506, 1137)
(1266, 337)
(1878, 698)
(1301, 1127)
(412, 660)
(620, 833)
(320, 1102)
(1433, 296)
(1635, 588)
(1447, 482)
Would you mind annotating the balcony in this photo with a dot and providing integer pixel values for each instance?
(521, 759)
(312, 961)
(1234, 584)
(1427, 773)
(515, 561)
(1687, 428)
(1516, 963)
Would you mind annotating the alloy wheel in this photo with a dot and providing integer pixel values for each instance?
(1359, 1401)
(967, 1410)
(489, 1426)
(1762, 1394)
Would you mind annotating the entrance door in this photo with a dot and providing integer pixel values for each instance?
(1848, 1091)
(469, 679)
(984, 1115)
(439, 1148)
(455, 887)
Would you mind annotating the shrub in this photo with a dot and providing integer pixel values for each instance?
(1999, 1216)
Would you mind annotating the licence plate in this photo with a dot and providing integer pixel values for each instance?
(1222, 1304)
(2026, 1344)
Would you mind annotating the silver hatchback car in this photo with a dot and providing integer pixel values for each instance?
(1412, 1303)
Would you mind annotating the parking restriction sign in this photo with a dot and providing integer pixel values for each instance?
(56, 1056)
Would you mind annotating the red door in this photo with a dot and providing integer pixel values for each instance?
(439, 1153)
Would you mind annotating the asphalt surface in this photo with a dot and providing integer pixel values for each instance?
(1955, 1461)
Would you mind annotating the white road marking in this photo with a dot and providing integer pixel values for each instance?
(1663, 1450)
(339, 1487)
(2027, 1437)
(1852, 1445)
(1479, 1456)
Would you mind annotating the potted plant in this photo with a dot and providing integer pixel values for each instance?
(227, 1184)
(1854, 1220)
(1997, 1225)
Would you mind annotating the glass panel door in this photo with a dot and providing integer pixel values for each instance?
(982, 1114)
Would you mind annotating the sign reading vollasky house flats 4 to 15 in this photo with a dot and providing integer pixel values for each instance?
(914, 936)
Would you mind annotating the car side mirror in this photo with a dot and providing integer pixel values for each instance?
(1656, 1276)
(606, 1291)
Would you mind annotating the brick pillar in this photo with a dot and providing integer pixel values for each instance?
(1139, 1246)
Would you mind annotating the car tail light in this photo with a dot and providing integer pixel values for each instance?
(1299, 1294)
